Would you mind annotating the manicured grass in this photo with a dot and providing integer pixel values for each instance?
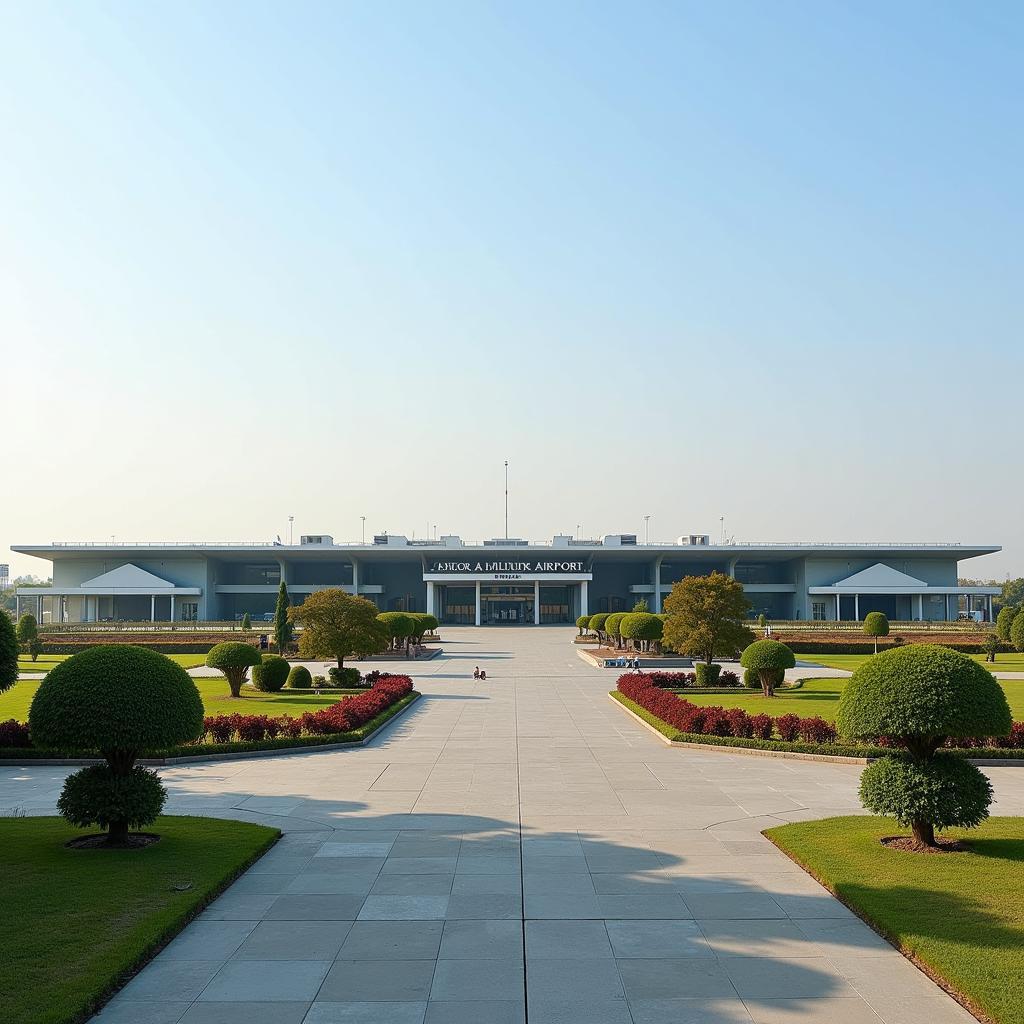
(850, 662)
(961, 915)
(216, 696)
(47, 661)
(816, 697)
(79, 921)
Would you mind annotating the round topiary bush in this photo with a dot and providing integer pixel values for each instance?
(612, 624)
(769, 659)
(920, 695)
(581, 623)
(121, 701)
(398, 626)
(1017, 632)
(343, 677)
(597, 622)
(642, 628)
(299, 678)
(8, 652)
(707, 675)
(876, 625)
(990, 645)
(1004, 621)
(246, 622)
(234, 659)
(270, 674)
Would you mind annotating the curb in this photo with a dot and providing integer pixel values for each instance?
(229, 755)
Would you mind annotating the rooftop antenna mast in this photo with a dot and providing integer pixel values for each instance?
(506, 499)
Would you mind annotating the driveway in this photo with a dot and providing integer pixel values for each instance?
(515, 843)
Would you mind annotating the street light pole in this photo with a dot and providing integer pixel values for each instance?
(506, 499)
(647, 523)
(291, 519)
(363, 536)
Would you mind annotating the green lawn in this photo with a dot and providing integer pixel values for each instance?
(79, 921)
(217, 699)
(960, 914)
(816, 697)
(47, 661)
(850, 662)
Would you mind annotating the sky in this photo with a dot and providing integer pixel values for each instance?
(759, 261)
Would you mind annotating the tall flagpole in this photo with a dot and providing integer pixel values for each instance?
(506, 499)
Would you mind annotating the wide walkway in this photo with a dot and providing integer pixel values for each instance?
(520, 849)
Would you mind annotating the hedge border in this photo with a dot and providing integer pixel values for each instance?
(1003, 757)
(14, 757)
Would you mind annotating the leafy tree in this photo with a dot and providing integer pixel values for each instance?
(246, 623)
(706, 617)
(1004, 620)
(1013, 593)
(234, 660)
(423, 622)
(611, 627)
(28, 629)
(919, 696)
(8, 653)
(122, 701)
(641, 605)
(597, 623)
(399, 626)
(876, 625)
(337, 625)
(642, 628)
(581, 624)
(282, 624)
(1017, 632)
(769, 659)
(430, 623)
(990, 645)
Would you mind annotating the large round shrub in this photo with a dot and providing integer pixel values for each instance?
(119, 700)
(769, 659)
(234, 659)
(270, 674)
(944, 792)
(876, 625)
(1004, 621)
(919, 695)
(642, 627)
(612, 624)
(8, 652)
(1017, 632)
(299, 678)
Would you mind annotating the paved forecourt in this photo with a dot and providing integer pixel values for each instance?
(516, 844)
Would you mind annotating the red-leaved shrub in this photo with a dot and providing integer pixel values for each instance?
(788, 727)
(14, 734)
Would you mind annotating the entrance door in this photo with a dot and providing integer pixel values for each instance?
(506, 605)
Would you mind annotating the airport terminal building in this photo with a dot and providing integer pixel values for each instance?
(505, 581)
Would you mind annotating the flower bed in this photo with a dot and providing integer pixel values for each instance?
(735, 727)
(347, 720)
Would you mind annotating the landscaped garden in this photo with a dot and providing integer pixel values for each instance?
(80, 921)
(960, 915)
(1005, 662)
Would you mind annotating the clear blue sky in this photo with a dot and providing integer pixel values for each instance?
(759, 260)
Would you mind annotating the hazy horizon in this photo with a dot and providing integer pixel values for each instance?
(685, 261)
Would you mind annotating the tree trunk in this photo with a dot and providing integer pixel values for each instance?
(767, 683)
(876, 645)
(235, 678)
(341, 661)
(117, 833)
(924, 832)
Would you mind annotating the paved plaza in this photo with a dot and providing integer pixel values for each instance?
(520, 849)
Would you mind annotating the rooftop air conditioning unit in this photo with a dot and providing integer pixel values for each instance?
(561, 540)
(506, 542)
(619, 540)
(695, 539)
(391, 540)
(451, 540)
(316, 540)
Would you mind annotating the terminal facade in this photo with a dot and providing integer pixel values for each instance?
(499, 582)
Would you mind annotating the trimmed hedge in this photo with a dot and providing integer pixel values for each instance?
(299, 678)
(270, 674)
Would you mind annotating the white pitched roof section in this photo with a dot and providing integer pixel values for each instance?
(879, 575)
(129, 576)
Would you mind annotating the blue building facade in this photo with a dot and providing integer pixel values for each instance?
(503, 581)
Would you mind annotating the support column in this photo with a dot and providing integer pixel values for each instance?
(989, 604)
(172, 607)
(152, 607)
(839, 609)
(583, 598)
(477, 621)
(355, 577)
(430, 598)
(946, 599)
(920, 607)
(536, 602)
(856, 607)
(657, 587)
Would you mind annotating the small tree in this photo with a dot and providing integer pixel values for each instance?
(1017, 632)
(234, 659)
(876, 625)
(122, 701)
(706, 617)
(641, 605)
(246, 623)
(337, 625)
(611, 627)
(28, 630)
(282, 625)
(8, 653)
(597, 624)
(430, 623)
(769, 659)
(990, 645)
(399, 626)
(581, 624)
(642, 628)
(270, 674)
(1004, 621)
(918, 696)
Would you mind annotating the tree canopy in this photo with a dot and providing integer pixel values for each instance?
(8, 653)
(706, 617)
(337, 625)
(282, 624)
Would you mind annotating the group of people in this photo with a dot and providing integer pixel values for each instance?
(479, 673)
